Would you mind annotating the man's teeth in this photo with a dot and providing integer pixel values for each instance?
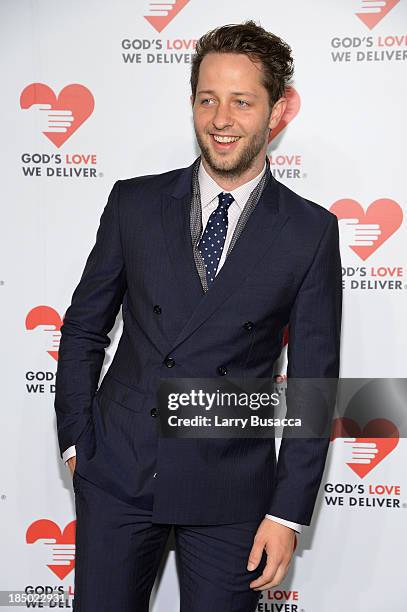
(226, 138)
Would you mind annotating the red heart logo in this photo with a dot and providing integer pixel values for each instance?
(161, 15)
(387, 213)
(375, 13)
(348, 428)
(76, 98)
(292, 108)
(44, 315)
(45, 528)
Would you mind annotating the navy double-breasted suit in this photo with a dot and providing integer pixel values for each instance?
(284, 269)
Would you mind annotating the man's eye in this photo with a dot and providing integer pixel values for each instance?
(243, 103)
(206, 100)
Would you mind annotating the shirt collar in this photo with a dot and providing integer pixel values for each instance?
(209, 189)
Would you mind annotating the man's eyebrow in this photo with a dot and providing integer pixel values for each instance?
(234, 93)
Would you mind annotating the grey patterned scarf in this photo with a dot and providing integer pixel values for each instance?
(196, 216)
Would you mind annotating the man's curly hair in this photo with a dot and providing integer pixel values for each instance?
(259, 45)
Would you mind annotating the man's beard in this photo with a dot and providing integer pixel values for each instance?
(244, 161)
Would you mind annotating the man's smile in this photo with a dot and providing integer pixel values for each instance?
(224, 142)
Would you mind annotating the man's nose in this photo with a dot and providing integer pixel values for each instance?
(223, 117)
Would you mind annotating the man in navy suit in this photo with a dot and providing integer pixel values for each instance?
(209, 264)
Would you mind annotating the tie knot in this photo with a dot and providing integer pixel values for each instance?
(225, 200)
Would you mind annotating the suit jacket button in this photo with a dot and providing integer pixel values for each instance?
(153, 412)
(222, 370)
(157, 309)
(248, 325)
(169, 362)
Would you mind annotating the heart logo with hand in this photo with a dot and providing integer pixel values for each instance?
(58, 117)
(385, 214)
(377, 439)
(373, 14)
(46, 319)
(160, 14)
(60, 545)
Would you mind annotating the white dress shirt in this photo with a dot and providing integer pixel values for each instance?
(209, 191)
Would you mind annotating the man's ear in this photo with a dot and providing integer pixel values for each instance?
(191, 99)
(277, 112)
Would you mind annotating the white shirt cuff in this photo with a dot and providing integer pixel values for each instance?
(68, 453)
(295, 526)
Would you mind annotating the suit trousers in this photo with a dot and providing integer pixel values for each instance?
(119, 549)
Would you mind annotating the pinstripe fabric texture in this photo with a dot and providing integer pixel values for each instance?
(196, 217)
(142, 261)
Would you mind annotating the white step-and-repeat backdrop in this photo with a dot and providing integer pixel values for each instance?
(123, 73)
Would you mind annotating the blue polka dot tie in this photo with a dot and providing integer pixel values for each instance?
(213, 238)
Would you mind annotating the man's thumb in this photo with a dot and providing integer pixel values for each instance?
(254, 557)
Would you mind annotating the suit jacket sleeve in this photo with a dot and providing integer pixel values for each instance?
(87, 322)
(313, 352)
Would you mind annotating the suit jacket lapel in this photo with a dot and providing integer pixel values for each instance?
(257, 237)
(175, 209)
